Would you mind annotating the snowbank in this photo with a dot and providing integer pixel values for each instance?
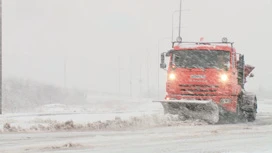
(144, 121)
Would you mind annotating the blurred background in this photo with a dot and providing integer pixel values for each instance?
(112, 47)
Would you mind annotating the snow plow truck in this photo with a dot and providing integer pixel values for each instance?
(206, 80)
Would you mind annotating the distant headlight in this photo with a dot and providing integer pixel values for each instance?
(224, 78)
(172, 76)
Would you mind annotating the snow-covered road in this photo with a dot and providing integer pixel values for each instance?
(187, 137)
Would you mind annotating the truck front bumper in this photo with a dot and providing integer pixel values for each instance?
(227, 102)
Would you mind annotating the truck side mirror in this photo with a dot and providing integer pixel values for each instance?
(168, 53)
(162, 65)
(251, 75)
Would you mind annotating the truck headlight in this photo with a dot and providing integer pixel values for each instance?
(172, 76)
(224, 78)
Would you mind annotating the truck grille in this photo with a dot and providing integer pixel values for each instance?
(187, 89)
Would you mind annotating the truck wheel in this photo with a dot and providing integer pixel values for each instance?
(251, 116)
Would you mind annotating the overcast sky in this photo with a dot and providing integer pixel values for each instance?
(95, 36)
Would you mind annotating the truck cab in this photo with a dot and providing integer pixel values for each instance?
(205, 71)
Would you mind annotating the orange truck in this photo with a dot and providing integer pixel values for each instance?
(206, 80)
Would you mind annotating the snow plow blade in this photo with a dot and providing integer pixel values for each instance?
(205, 110)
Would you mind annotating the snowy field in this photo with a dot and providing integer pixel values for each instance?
(133, 126)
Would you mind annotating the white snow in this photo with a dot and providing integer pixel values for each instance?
(131, 131)
(84, 114)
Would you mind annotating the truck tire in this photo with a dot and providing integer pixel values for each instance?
(248, 101)
(251, 116)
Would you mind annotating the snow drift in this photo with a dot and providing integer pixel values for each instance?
(144, 121)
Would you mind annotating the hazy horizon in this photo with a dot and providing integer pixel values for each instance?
(97, 39)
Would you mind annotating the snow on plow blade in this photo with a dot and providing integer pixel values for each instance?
(185, 101)
(205, 110)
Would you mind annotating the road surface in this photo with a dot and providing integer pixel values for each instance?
(220, 138)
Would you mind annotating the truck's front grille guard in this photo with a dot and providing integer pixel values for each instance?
(204, 86)
(198, 89)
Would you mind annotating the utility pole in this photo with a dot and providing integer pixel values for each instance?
(119, 76)
(141, 80)
(64, 72)
(180, 9)
(180, 26)
(1, 57)
(158, 96)
(147, 73)
(130, 76)
(173, 24)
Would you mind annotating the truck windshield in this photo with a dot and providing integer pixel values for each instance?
(201, 59)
